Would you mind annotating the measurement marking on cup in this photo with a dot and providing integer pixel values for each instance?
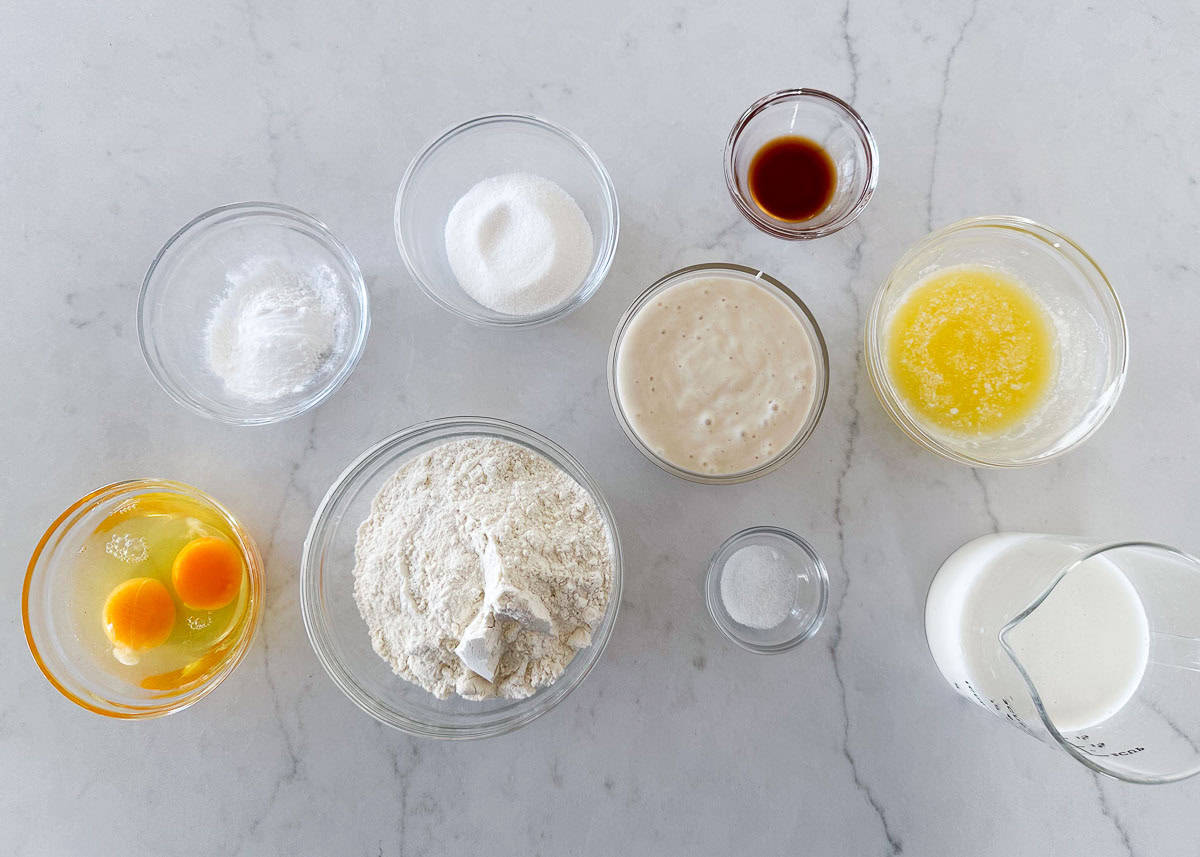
(1096, 748)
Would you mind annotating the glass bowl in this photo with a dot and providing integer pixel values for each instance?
(479, 149)
(62, 653)
(758, 278)
(339, 635)
(808, 609)
(1089, 325)
(187, 279)
(826, 120)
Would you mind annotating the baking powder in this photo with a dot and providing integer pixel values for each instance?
(276, 331)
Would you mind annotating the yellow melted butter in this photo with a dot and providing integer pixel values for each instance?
(971, 350)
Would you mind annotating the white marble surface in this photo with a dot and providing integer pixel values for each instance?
(121, 121)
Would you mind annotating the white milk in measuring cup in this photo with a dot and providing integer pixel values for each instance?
(1085, 647)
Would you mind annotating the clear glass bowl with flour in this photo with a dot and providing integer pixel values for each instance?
(507, 220)
(252, 313)
(337, 629)
(718, 373)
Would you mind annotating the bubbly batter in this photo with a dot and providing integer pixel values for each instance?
(716, 375)
(971, 350)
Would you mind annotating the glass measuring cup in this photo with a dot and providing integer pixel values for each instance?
(1093, 647)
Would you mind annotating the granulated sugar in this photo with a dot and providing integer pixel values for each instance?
(518, 244)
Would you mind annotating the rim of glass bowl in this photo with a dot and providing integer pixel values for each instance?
(1055, 242)
(798, 232)
(320, 532)
(43, 553)
(604, 258)
(820, 352)
(249, 209)
(717, 611)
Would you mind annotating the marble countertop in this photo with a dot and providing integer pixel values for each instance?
(124, 121)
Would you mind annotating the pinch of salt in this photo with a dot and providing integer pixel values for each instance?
(758, 586)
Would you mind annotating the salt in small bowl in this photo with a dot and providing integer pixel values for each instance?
(811, 598)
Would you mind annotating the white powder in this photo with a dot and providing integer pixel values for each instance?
(482, 546)
(758, 586)
(276, 330)
(518, 244)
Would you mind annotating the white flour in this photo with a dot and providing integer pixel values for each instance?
(482, 539)
(276, 330)
(518, 244)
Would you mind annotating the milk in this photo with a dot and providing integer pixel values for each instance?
(1085, 647)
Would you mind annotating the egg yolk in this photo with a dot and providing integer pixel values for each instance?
(207, 573)
(139, 614)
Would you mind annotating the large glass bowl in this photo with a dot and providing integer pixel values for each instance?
(187, 280)
(338, 633)
(1093, 342)
(479, 149)
(50, 615)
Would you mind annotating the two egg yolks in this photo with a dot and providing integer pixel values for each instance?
(139, 614)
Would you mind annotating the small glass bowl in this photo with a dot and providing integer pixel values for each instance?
(187, 280)
(481, 148)
(336, 628)
(812, 592)
(47, 597)
(1089, 324)
(758, 278)
(826, 120)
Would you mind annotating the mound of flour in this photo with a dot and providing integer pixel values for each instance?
(483, 552)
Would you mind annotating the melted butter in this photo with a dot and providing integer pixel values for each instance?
(971, 350)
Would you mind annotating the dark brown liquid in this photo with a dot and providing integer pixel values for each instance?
(792, 178)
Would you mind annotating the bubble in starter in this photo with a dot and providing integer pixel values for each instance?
(127, 548)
